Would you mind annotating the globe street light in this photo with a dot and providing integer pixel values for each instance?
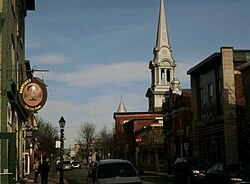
(61, 124)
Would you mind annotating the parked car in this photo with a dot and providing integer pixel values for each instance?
(190, 170)
(76, 165)
(66, 165)
(229, 174)
(113, 171)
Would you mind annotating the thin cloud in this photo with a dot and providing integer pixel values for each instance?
(33, 45)
(49, 59)
(100, 106)
(92, 75)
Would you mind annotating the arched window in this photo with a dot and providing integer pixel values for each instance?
(168, 75)
(162, 74)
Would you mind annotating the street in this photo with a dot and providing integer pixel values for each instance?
(79, 176)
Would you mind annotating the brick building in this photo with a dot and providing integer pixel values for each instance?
(127, 123)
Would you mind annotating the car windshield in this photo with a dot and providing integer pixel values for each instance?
(116, 170)
(197, 163)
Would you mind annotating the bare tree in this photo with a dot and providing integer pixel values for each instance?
(87, 132)
(46, 136)
(106, 142)
(103, 134)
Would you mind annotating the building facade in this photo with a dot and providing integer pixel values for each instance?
(177, 126)
(218, 106)
(150, 151)
(13, 117)
(126, 124)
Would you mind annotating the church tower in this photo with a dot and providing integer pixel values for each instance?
(163, 80)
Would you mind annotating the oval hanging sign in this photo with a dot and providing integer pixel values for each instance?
(33, 94)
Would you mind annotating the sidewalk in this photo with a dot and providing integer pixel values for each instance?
(53, 179)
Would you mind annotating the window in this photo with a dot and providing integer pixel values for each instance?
(153, 77)
(13, 6)
(13, 61)
(210, 92)
(168, 75)
(162, 74)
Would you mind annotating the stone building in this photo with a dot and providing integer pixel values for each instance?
(13, 68)
(220, 127)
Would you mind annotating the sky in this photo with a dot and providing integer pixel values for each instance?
(98, 51)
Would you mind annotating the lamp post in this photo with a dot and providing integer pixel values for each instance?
(61, 124)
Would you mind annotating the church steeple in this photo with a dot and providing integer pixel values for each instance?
(162, 32)
(162, 66)
(162, 50)
(121, 107)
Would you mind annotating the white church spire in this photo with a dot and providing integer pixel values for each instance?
(162, 50)
(121, 107)
(162, 66)
(162, 32)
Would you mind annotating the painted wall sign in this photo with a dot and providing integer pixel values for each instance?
(33, 94)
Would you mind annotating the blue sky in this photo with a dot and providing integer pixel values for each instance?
(98, 51)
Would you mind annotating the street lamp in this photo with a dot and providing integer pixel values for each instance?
(61, 124)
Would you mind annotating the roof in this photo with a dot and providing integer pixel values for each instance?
(134, 115)
(239, 56)
(210, 61)
(244, 66)
(121, 107)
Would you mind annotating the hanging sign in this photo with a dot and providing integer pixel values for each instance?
(33, 94)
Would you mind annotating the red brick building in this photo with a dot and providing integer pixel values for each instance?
(127, 123)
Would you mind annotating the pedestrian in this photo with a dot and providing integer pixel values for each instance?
(36, 166)
(44, 171)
